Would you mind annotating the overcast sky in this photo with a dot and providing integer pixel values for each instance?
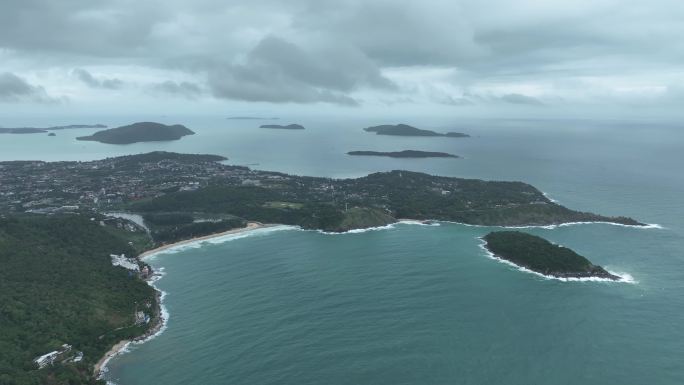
(460, 57)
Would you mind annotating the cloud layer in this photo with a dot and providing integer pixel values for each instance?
(14, 89)
(453, 53)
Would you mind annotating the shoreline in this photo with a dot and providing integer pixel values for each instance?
(645, 226)
(100, 368)
(250, 227)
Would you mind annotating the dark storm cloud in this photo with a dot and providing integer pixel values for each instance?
(117, 28)
(15, 89)
(87, 78)
(396, 33)
(279, 71)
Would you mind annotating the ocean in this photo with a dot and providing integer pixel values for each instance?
(413, 304)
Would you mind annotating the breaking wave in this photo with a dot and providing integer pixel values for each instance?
(648, 226)
(410, 222)
(196, 244)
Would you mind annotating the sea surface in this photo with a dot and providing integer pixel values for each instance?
(415, 304)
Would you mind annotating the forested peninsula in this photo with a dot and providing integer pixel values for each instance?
(199, 186)
(53, 230)
(64, 303)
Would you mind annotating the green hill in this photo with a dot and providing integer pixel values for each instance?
(542, 256)
(139, 132)
(58, 286)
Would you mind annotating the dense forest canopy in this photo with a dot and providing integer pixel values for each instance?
(58, 286)
(542, 256)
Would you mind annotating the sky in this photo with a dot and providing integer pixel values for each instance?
(524, 58)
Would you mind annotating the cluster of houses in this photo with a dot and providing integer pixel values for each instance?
(131, 264)
(64, 354)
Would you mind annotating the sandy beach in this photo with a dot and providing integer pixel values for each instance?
(111, 353)
(116, 349)
(250, 226)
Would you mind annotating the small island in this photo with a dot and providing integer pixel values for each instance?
(73, 126)
(406, 130)
(456, 135)
(52, 134)
(251, 118)
(541, 256)
(22, 130)
(283, 127)
(36, 130)
(404, 154)
(139, 132)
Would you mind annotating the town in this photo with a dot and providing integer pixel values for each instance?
(161, 182)
(108, 184)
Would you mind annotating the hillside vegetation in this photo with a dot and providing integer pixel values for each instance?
(58, 286)
(542, 256)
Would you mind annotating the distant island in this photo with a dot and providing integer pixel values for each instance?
(139, 132)
(456, 135)
(541, 256)
(288, 127)
(72, 126)
(404, 154)
(36, 130)
(250, 118)
(406, 130)
(22, 130)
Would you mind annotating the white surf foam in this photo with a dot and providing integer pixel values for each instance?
(548, 197)
(566, 224)
(644, 227)
(217, 240)
(356, 231)
(390, 226)
(127, 347)
(624, 277)
(419, 223)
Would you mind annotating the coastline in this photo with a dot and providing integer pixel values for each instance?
(100, 368)
(115, 350)
(250, 226)
(645, 226)
(160, 320)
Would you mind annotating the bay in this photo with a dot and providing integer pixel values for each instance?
(415, 304)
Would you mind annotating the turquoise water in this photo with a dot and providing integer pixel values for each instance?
(417, 304)
(412, 305)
